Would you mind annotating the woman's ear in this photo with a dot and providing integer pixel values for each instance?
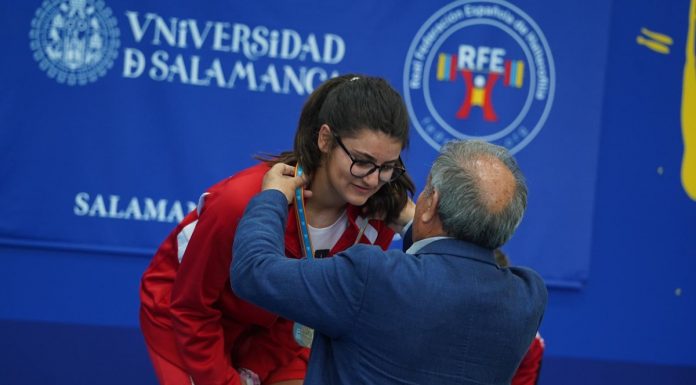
(324, 138)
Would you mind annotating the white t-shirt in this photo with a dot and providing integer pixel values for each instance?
(326, 237)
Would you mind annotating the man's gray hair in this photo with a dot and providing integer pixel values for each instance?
(462, 207)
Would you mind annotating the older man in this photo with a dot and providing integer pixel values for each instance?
(442, 313)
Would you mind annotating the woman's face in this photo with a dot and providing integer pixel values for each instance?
(366, 145)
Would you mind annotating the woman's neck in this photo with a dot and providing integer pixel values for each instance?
(325, 206)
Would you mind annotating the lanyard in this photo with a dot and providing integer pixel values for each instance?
(303, 335)
(301, 216)
(303, 222)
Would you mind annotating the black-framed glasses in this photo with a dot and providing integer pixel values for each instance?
(362, 168)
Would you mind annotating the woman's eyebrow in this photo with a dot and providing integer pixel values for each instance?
(366, 156)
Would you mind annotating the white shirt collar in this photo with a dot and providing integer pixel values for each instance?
(417, 246)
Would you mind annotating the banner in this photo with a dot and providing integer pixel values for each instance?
(116, 115)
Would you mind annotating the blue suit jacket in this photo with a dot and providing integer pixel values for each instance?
(446, 315)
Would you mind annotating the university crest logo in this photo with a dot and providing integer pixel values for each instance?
(74, 41)
(479, 70)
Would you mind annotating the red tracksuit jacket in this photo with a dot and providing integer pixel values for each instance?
(528, 371)
(189, 313)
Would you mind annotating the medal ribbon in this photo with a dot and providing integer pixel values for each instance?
(301, 216)
(303, 335)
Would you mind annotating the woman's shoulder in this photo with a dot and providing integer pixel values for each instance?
(375, 230)
(233, 193)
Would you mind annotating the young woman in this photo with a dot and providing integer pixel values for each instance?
(351, 132)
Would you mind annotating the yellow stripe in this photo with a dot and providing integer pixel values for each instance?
(662, 38)
(478, 96)
(688, 113)
(520, 74)
(442, 59)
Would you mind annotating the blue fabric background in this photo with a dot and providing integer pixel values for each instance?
(132, 140)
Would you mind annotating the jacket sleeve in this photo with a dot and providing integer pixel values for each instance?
(200, 281)
(321, 293)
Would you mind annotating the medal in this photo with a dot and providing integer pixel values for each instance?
(304, 335)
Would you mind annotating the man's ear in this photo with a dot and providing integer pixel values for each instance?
(324, 138)
(430, 210)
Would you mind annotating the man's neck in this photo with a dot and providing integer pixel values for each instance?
(430, 230)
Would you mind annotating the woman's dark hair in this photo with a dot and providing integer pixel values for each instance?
(348, 104)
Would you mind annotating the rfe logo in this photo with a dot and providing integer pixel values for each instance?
(481, 68)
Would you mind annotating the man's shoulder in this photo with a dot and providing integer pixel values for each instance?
(528, 275)
(533, 284)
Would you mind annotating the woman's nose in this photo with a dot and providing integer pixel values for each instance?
(372, 179)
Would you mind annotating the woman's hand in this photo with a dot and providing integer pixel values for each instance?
(405, 216)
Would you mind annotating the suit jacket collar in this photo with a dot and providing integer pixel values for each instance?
(459, 248)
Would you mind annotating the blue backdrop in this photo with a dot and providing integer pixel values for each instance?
(116, 115)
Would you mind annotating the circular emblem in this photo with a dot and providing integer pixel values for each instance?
(74, 41)
(479, 70)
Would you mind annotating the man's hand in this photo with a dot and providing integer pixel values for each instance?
(282, 177)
